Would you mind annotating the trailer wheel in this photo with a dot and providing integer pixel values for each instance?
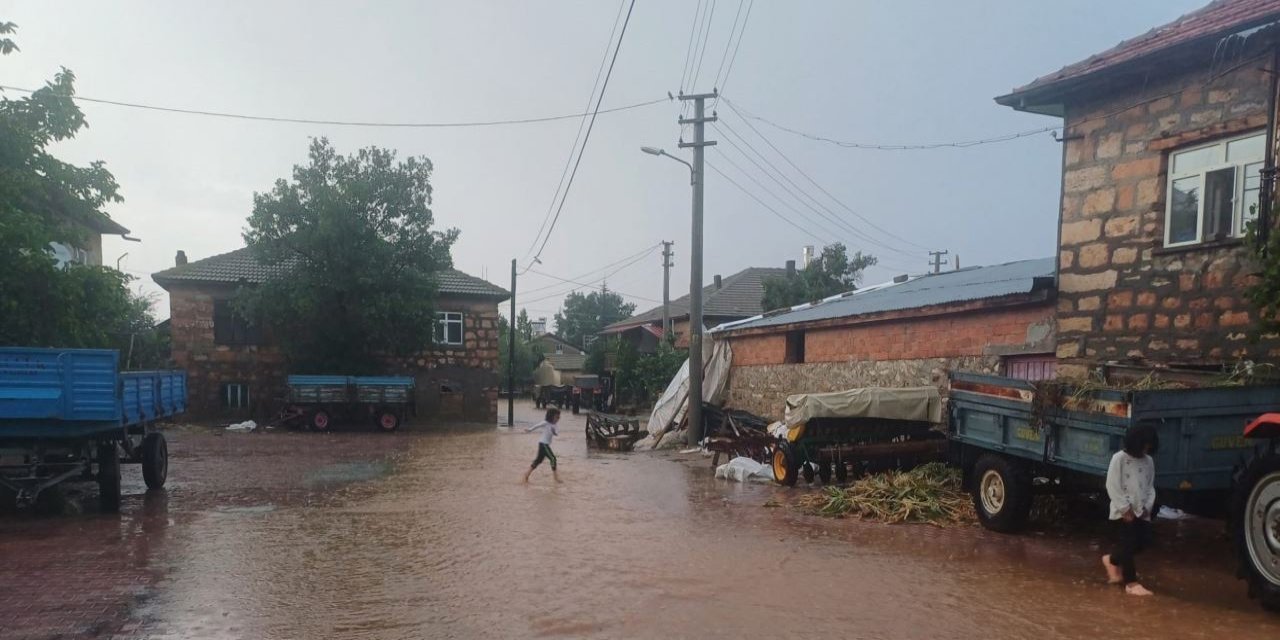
(108, 478)
(786, 469)
(1256, 520)
(842, 472)
(1001, 493)
(824, 472)
(388, 421)
(320, 420)
(155, 460)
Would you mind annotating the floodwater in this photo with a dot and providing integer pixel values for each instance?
(431, 535)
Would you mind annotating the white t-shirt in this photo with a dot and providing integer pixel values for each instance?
(1131, 485)
(549, 431)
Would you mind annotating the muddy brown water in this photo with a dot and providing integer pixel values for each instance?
(431, 535)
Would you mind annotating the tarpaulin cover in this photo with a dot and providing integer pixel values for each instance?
(919, 404)
(671, 406)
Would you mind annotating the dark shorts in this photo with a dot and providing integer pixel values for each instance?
(544, 451)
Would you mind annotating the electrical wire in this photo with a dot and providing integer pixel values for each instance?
(706, 37)
(586, 138)
(583, 284)
(733, 29)
(350, 123)
(688, 52)
(815, 224)
(578, 136)
(742, 32)
(762, 203)
(641, 254)
(591, 283)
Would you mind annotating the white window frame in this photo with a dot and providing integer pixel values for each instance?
(443, 320)
(1237, 198)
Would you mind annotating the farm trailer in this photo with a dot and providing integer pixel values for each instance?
(317, 400)
(1219, 454)
(71, 414)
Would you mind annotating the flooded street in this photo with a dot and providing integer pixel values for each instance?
(429, 534)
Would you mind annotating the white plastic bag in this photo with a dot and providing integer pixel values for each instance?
(744, 470)
(247, 425)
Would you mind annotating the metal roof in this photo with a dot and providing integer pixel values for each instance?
(567, 361)
(973, 283)
(241, 266)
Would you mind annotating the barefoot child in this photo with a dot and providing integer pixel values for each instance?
(549, 432)
(1131, 487)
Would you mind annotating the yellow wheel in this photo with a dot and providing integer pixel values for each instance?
(785, 466)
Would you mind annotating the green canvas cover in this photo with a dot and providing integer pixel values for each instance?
(919, 404)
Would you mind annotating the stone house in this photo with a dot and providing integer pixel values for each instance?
(1165, 145)
(724, 300)
(88, 249)
(908, 332)
(234, 368)
(550, 343)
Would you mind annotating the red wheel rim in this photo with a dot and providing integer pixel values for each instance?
(321, 420)
(387, 421)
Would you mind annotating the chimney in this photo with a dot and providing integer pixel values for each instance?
(957, 262)
(791, 268)
(180, 259)
(717, 281)
(901, 279)
(807, 254)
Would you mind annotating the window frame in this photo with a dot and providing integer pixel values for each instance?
(795, 347)
(441, 334)
(249, 333)
(1238, 215)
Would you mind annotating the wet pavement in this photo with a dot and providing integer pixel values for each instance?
(429, 534)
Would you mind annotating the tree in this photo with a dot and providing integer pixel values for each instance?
(832, 273)
(356, 259)
(44, 201)
(585, 315)
(528, 352)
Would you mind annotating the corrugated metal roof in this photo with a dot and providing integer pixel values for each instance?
(974, 283)
(739, 295)
(242, 266)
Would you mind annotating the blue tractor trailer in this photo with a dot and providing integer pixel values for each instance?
(71, 414)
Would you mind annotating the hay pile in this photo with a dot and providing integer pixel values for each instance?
(929, 494)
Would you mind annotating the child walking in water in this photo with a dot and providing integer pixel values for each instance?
(549, 432)
(1131, 487)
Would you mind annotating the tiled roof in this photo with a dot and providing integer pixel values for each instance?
(567, 361)
(242, 266)
(1211, 22)
(973, 283)
(739, 296)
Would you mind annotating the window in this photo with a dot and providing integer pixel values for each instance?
(448, 328)
(1213, 190)
(795, 347)
(1032, 368)
(231, 329)
(235, 395)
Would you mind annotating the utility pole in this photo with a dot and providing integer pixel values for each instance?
(699, 145)
(937, 260)
(666, 289)
(511, 353)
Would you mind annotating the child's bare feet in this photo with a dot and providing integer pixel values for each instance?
(1113, 572)
(1135, 589)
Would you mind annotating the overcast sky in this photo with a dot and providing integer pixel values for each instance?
(879, 72)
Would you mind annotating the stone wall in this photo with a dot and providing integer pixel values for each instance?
(455, 383)
(1122, 295)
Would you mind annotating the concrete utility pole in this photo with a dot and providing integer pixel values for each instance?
(666, 289)
(937, 260)
(511, 353)
(699, 145)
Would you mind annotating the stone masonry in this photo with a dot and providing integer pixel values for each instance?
(1122, 296)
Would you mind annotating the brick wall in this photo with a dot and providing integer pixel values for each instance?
(895, 352)
(1122, 296)
(457, 383)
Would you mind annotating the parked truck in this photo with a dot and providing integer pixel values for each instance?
(69, 414)
(1219, 454)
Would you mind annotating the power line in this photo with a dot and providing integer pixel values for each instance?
(629, 262)
(587, 137)
(762, 203)
(349, 123)
(642, 253)
(583, 284)
(733, 29)
(742, 32)
(809, 220)
(589, 283)
(578, 136)
(706, 37)
(688, 52)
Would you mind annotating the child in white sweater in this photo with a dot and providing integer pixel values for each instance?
(1131, 486)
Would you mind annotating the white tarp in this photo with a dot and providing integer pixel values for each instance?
(670, 408)
(744, 469)
(920, 404)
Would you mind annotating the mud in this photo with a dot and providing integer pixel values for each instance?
(430, 534)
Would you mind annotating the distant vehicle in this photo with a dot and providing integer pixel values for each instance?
(1219, 455)
(317, 401)
(547, 395)
(68, 414)
(591, 391)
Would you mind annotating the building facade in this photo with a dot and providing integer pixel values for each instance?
(235, 369)
(1164, 152)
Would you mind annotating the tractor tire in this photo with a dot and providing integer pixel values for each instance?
(387, 421)
(1255, 519)
(1001, 493)
(807, 471)
(320, 421)
(155, 461)
(108, 478)
(786, 468)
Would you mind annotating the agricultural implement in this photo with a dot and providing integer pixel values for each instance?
(736, 434)
(70, 414)
(1216, 457)
(548, 395)
(615, 433)
(856, 431)
(318, 401)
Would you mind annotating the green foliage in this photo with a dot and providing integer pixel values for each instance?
(42, 201)
(354, 235)
(638, 377)
(528, 352)
(1264, 293)
(831, 273)
(585, 315)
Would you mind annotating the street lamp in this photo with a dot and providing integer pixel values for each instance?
(654, 151)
